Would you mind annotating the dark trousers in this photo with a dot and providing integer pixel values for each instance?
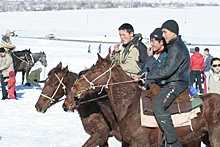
(196, 74)
(4, 91)
(161, 104)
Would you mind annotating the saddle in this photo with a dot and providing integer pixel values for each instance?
(181, 104)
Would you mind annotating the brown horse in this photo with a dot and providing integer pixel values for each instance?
(125, 101)
(58, 83)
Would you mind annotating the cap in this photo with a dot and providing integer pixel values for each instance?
(157, 34)
(172, 26)
(7, 32)
(11, 73)
(2, 50)
(40, 69)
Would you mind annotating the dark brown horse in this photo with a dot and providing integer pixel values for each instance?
(125, 101)
(22, 61)
(58, 84)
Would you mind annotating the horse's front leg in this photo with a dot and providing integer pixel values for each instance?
(96, 126)
(23, 72)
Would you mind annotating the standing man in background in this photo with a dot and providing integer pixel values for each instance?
(196, 67)
(100, 48)
(6, 65)
(6, 42)
(207, 57)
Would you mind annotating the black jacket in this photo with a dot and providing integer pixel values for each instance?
(176, 69)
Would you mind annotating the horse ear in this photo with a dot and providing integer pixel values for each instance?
(99, 58)
(65, 70)
(108, 57)
(59, 65)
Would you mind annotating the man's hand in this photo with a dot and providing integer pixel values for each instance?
(137, 77)
(150, 51)
(116, 48)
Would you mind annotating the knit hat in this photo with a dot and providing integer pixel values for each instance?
(157, 34)
(40, 69)
(11, 73)
(172, 26)
(2, 50)
(7, 32)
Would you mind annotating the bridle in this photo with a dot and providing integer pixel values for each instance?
(52, 100)
(92, 85)
(22, 58)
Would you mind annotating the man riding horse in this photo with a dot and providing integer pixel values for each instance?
(176, 72)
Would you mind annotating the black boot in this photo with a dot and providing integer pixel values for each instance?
(165, 123)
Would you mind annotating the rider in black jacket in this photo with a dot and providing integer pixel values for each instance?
(176, 71)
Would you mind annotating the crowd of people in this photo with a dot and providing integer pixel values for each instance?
(7, 73)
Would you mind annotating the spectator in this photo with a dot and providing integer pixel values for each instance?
(11, 85)
(132, 55)
(100, 48)
(207, 57)
(6, 65)
(34, 78)
(89, 49)
(214, 77)
(109, 49)
(196, 67)
(6, 41)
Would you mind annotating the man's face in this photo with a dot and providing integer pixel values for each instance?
(168, 35)
(156, 45)
(125, 36)
(205, 52)
(2, 54)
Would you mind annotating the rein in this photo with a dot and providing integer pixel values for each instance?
(52, 100)
(92, 86)
(25, 56)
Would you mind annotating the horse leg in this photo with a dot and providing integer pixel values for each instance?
(96, 126)
(214, 138)
(23, 72)
(107, 110)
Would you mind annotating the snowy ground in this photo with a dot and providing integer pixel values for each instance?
(20, 124)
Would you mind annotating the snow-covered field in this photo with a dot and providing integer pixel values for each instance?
(20, 124)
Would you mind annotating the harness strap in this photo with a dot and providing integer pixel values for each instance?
(60, 82)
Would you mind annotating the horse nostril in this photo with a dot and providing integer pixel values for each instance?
(64, 108)
(38, 108)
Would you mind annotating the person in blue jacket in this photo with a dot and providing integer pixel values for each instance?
(157, 54)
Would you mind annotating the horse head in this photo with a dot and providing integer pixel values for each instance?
(97, 78)
(54, 88)
(28, 57)
(42, 58)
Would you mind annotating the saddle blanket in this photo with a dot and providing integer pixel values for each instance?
(179, 120)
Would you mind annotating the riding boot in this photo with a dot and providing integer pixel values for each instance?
(165, 122)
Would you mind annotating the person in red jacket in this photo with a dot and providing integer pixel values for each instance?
(11, 86)
(196, 68)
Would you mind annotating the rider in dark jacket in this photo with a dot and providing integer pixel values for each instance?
(176, 72)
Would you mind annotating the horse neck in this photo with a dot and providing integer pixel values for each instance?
(71, 78)
(36, 57)
(124, 98)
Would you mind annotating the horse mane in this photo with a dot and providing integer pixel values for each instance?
(22, 53)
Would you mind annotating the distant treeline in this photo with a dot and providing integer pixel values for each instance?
(49, 5)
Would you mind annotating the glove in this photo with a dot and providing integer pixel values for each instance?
(6, 87)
